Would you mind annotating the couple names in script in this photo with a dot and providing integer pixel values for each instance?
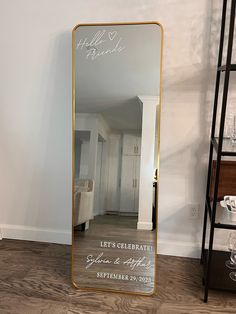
(133, 263)
(101, 37)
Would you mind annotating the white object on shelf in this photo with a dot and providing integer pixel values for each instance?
(229, 204)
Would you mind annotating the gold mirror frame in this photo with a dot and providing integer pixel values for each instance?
(157, 150)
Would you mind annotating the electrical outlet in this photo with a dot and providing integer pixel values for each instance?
(194, 211)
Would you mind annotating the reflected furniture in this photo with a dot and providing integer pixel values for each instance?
(83, 198)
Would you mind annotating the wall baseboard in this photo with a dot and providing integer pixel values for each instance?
(35, 234)
(144, 225)
(183, 248)
(165, 247)
(178, 248)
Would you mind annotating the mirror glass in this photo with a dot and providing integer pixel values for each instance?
(116, 114)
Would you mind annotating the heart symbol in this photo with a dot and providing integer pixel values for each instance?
(112, 35)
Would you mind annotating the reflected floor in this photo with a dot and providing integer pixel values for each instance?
(121, 230)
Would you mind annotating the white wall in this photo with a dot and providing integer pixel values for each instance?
(184, 125)
(35, 126)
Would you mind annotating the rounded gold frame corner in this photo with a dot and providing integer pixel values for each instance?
(74, 284)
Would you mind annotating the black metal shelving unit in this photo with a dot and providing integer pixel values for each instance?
(213, 275)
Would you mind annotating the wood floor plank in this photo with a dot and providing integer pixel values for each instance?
(15, 304)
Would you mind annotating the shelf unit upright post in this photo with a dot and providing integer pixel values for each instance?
(217, 145)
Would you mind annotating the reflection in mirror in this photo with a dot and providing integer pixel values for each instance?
(116, 75)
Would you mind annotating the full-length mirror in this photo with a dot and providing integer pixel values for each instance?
(116, 122)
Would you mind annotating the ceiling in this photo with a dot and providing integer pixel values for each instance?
(113, 65)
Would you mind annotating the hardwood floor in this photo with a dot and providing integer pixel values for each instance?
(35, 278)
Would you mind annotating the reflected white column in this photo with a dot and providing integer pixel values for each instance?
(149, 104)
